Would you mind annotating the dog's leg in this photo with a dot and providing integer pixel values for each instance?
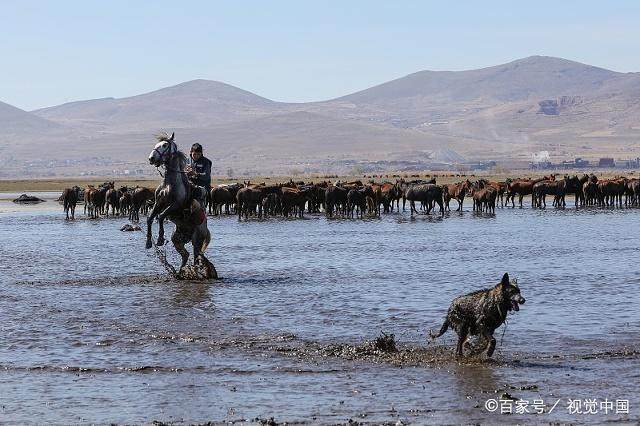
(462, 337)
(490, 342)
(492, 347)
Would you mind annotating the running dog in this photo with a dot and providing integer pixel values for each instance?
(481, 313)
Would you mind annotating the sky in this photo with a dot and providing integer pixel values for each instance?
(53, 52)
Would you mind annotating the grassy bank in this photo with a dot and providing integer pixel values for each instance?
(34, 185)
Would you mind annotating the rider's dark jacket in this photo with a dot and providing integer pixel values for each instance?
(202, 167)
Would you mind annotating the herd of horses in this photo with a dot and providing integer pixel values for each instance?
(99, 200)
(359, 199)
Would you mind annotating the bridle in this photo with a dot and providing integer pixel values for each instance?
(173, 149)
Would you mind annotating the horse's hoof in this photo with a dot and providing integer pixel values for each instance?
(148, 245)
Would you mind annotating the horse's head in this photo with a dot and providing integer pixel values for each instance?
(163, 150)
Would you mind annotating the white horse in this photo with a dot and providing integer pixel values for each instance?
(174, 200)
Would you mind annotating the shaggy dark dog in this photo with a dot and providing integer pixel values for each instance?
(481, 313)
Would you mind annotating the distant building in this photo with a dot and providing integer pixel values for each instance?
(575, 164)
(485, 165)
(541, 160)
(579, 162)
(633, 163)
(606, 162)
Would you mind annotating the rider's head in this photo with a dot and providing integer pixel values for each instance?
(196, 151)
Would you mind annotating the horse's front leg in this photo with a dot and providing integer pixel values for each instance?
(152, 215)
(161, 217)
(156, 212)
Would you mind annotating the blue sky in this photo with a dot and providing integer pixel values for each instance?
(59, 51)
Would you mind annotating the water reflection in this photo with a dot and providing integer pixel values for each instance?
(191, 293)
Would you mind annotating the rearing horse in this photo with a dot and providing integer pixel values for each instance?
(173, 200)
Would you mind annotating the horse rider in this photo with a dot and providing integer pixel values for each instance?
(199, 172)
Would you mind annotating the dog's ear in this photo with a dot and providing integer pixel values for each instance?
(505, 279)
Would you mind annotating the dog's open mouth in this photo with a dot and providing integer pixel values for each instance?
(516, 302)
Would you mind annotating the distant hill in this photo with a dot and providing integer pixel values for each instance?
(504, 112)
(428, 96)
(16, 121)
(535, 77)
(197, 103)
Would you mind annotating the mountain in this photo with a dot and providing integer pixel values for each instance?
(502, 113)
(281, 137)
(535, 103)
(410, 102)
(427, 96)
(14, 120)
(197, 103)
(532, 77)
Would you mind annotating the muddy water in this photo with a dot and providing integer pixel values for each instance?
(93, 330)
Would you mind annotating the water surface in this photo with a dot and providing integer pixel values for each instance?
(95, 331)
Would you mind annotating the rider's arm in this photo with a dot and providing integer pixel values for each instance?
(206, 170)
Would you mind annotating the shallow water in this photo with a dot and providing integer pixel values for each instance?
(95, 331)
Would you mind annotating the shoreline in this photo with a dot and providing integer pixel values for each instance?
(59, 184)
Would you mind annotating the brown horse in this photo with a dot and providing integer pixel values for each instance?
(88, 208)
(389, 194)
(611, 191)
(125, 202)
(140, 199)
(484, 198)
(220, 196)
(112, 199)
(427, 194)
(69, 201)
(456, 191)
(97, 198)
(521, 187)
(557, 188)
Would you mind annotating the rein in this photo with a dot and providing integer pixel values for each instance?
(172, 150)
(168, 170)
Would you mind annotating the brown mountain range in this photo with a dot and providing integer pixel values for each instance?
(504, 112)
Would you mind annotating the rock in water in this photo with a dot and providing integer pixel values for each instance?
(129, 227)
(24, 198)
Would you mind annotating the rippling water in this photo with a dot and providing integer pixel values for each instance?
(94, 330)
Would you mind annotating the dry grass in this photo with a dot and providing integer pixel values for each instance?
(33, 185)
(27, 185)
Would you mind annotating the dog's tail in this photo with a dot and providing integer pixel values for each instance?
(443, 329)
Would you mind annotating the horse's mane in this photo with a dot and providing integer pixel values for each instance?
(164, 137)
(182, 159)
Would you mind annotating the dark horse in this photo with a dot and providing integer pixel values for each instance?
(174, 200)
